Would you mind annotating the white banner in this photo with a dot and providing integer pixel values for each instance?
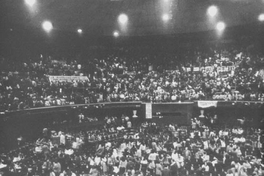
(58, 61)
(207, 104)
(219, 69)
(67, 78)
(148, 110)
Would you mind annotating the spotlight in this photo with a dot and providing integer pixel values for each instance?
(261, 17)
(30, 2)
(165, 17)
(47, 26)
(212, 11)
(220, 26)
(79, 31)
(116, 34)
(123, 18)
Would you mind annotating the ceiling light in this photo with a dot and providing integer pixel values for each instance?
(123, 18)
(47, 26)
(212, 11)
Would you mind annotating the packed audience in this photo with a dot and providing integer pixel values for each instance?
(134, 74)
(123, 148)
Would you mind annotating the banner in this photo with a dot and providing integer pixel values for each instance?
(58, 62)
(207, 104)
(148, 110)
(131, 73)
(227, 97)
(207, 68)
(225, 69)
(219, 69)
(221, 96)
(67, 78)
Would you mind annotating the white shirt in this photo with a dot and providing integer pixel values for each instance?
(75, 145)
(206, 145)
(206, 167)
(174, 156)
(2, 165)
(92, 162)
(152, 156)
(62, 139)
(223, 144)
(225, 133)
(142, 147)
(97, 160)
(138, 153)
(205, 158)
(220, 133)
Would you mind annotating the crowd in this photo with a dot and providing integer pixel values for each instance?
(139, 150)
(122, 74)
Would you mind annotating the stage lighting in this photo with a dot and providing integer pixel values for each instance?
(261, 17)
(47, 26)
(212, 11)
(165, 17)
(123, 18)
(79, 31)
(220, 26)
(30, 2)
(116, 34)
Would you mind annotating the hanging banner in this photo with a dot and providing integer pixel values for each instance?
(58, 62)
(148, 110)
(207, 104)
(67, 78)
(220, 69)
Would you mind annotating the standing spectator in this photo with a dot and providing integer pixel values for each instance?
(166, 171)
(174, 169)
(122, 166)
(144, 165)
(56, 167)
(159, 169)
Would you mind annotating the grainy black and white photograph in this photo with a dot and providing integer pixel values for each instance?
(131, 87)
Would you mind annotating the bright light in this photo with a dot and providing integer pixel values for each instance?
(116, 34)
(47, 26)
(261, 17)
(212, 11)
(30, 2)
(123, 18)
(165, 17)
(79, 31)
(220, 26)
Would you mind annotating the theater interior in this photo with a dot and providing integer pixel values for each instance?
(132, 88)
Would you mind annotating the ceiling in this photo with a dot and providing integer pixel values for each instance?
(99, 17)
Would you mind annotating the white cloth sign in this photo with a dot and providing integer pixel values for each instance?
(207, 104)
(67, 78)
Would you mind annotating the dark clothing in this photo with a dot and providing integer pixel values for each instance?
(166, 172)
(174, 170)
